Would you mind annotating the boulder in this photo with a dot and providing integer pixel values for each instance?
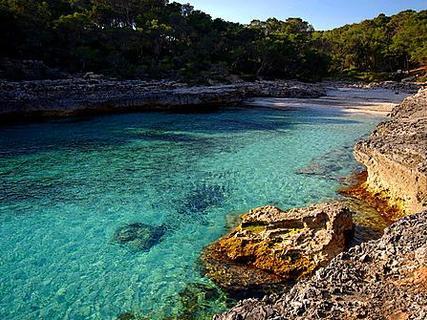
(272, 247)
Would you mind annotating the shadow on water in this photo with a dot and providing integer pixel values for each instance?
(109, 131)
(97, 133)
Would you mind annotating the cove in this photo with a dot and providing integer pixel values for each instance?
(68, 187)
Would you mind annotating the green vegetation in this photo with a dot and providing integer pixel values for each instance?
(158, 39)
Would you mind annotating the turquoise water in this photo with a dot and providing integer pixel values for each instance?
(68, 186)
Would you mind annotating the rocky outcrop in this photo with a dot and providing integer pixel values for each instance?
(77, 96)
(272, 247)
(395, 156)
(382, 279)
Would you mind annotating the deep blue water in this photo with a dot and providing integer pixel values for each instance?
(67, 187)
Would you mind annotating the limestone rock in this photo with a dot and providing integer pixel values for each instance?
(48, 98)
(272, 246)
(396, 156)
(382, 279)
(407, 87)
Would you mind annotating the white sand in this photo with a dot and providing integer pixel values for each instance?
(349, 100)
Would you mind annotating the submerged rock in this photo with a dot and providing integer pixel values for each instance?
(272, 247)
(329, 165)
(395, 156)
(195, 205)
(202, 198)
(198, 301)
(139, 236)
(382, 279)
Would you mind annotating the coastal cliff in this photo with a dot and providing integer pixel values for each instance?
(395, 156)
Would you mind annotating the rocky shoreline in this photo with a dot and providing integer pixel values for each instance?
(34, 99)
(395, 156)
(67, 97)
(380, 279)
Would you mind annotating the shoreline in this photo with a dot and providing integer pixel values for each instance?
(392, 138)
(65, 98)
(180, 100)
(36, 100)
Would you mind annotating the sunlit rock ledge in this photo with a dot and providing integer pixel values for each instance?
(272, 247)
(56, 98)
(395, 156)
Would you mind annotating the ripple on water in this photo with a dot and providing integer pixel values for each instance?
(68, 188)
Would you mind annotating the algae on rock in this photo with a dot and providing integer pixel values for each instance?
(271, 247)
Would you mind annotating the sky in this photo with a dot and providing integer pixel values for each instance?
(322, 14)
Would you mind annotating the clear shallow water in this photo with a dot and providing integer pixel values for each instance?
(67, 186)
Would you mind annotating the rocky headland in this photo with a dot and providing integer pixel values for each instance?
(65, 97)
(379, 279)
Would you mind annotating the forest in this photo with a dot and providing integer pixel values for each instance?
(147, 39)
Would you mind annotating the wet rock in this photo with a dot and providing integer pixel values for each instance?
(271, 247)
(139, 236)
(395, 156)
(368, 223)
(382, 279)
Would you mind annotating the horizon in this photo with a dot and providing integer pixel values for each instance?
(322, 15)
